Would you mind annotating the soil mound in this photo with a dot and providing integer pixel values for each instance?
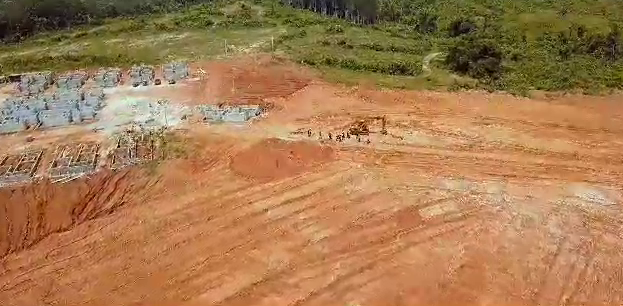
(249, 81)
(275, 158)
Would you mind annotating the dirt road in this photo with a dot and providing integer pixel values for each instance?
(471, 199)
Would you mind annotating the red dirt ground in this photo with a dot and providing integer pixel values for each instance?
(472, 199)
(273, 159)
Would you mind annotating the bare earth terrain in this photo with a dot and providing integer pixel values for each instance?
(471, 199)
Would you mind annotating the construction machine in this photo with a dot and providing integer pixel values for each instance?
(361, 126)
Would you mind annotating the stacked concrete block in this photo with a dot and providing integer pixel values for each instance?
(27, 117)
(229, 114)
(108, 77)
(69, 97)
(176, 71)
(142, 75)
(37, 103)
(88, 113)
(16, 114)
(252, 110)
(54, 118)
(35, 83)
(93, 99)
(235, 115)
(10, 125)
(73, 80)
(76, 115)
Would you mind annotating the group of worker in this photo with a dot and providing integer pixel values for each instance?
(338, 137)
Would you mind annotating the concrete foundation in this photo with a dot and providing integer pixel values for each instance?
(73, 159)
(19, 168)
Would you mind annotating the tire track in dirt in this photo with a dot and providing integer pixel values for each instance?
(352, 251)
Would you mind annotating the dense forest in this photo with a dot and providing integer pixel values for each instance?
(21, 18)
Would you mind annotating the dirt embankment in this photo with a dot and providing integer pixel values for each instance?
(31, 213)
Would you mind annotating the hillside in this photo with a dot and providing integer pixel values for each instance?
(515, 46)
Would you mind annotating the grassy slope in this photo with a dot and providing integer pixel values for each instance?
(201, 33)
(387, 54)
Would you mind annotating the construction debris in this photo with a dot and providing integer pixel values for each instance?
(108, 77)
(142, 75)
(73, 159)
(19, 168)
(135, 146)
(63, 108)
(35, 83)
(214, 113)
(74, 80)
(176, 71)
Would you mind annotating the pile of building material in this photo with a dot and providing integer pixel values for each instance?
(19, 168)
(17, 114)
(108, 77)
(142, 75)
(73, 159)
(213, 113)
(73, 80)
(63, 108)
(176, 71)
(137, 145)
(35, 83)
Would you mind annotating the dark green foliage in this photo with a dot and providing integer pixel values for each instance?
(22, 18)
(397, 67)
(461, 26)
(477, 57)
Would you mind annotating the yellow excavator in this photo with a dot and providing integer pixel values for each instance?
(361, 126)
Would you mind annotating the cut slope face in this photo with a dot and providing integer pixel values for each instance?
(35, 211)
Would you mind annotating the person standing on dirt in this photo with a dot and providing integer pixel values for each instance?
(309, 133)
(330, 136)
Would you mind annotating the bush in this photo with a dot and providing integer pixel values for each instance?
(334, 28)
(385, 67)
(477, 57)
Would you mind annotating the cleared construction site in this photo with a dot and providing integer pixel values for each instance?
(260, 178)
(136, 129)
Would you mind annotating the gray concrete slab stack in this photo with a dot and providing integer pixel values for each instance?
(10, 125)
(55, 117)
(35, 83)
(65, 107)
(142, 75)
(16, 115)
(74, 80)
(229, 113)
(108, 77)
(176, 71)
